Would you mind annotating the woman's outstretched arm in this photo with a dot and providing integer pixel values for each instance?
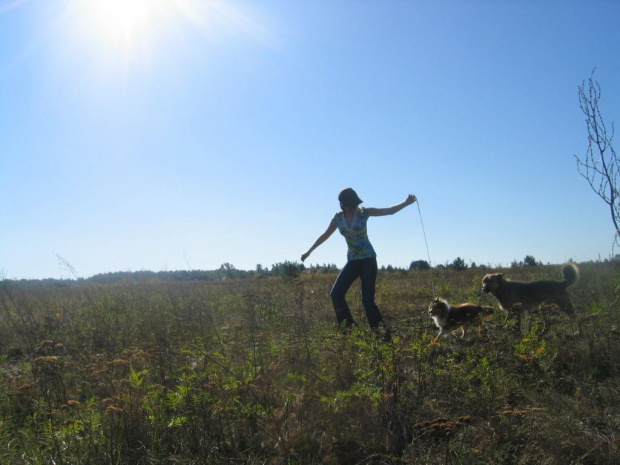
(322, 238)
(393, 209)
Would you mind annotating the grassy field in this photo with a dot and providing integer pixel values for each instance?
(254, 372)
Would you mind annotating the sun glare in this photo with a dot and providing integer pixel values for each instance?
(122, 23)
(127, 29)
(120, 19)
(124, 31)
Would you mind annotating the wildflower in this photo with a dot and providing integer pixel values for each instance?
(113, 409)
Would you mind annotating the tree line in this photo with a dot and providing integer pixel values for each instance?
(286, 269)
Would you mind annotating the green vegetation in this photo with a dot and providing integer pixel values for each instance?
(254, 371)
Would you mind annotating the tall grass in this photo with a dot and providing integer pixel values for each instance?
(254, 371)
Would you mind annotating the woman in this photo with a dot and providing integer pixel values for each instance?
(361, 257)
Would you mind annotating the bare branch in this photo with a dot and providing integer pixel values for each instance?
(600, 166)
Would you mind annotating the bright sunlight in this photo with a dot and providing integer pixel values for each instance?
(124, 26)
(121, 19)
(133, 30)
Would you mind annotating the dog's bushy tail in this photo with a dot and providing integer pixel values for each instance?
(570, 273)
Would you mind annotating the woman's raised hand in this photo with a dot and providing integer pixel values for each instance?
(410, 199)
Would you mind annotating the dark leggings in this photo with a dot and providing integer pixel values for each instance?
(366, 270)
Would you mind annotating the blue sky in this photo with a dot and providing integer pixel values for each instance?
(187, 134)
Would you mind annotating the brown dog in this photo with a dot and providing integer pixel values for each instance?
(518, 296)
(449, 317)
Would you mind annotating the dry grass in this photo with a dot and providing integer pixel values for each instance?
(254, 371)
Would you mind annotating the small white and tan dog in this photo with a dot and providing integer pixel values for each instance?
(450, 317)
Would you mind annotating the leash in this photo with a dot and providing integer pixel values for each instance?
(427, 252)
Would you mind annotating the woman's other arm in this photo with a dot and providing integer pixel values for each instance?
(322, 238)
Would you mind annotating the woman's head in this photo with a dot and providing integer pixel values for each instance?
(349, 198)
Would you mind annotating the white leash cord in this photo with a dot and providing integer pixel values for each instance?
(427, 252)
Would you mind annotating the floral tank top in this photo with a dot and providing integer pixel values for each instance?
(356, 235)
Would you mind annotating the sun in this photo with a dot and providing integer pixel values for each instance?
(122, 27)
(123, 34)
(121, 20)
